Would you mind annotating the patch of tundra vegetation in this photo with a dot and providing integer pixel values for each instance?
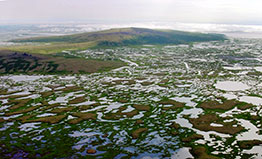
(200, 100)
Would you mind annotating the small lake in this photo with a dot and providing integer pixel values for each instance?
(231, 86)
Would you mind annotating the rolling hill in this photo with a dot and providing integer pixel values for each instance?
(26, 57)
(128, 36)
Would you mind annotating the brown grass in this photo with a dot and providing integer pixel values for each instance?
(22, 111)
(2, 120)
(70, 89)
(85, 116)
(15, 96)
(85, 107)
(46, 94)
(175, 133)
(24, 118)
(141, 107)
(75, 121)
(175, 125)
(227, 105)
(91, 151)
(249, 144)
(245, 106)
(81, 117)
(53, 87)
(51, 64)
(119, 114)
(49, 119)
(140, 78)
(122, 100)
(62, 110)
(204, 121)
(113, 116)
(87, 66)
(18, 103)
(49, 106)
(192, 138)
(160, 74)
(6, 92)
(77, 100)
(130, 114)
(95, 104)
(255, 117)
(164, 81)
(139, 121)
(138, 132)
(125, 82)
(147, 83)
(200, 152)
(172, 102)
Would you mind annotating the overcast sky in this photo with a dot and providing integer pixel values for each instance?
(187, 11)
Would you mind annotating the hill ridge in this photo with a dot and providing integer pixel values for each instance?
(129, 36)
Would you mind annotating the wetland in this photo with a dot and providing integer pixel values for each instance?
(201, 100)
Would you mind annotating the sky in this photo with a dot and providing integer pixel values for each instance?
(245, 12)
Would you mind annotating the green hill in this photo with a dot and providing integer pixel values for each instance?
(129, 36)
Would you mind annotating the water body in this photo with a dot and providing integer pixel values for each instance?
(251, 99)
(26, 78)
(231, 86)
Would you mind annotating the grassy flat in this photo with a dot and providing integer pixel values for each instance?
(50, 48)
(14, 62)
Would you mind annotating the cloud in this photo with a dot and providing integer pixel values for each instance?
(189, 11)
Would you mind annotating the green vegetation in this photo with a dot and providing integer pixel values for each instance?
(163, 103)
(52, 48)
(130, 36)
(111, 38)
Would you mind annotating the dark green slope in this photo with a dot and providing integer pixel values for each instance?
(130, 36)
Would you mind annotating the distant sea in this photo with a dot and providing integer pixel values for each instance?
(13, 31)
